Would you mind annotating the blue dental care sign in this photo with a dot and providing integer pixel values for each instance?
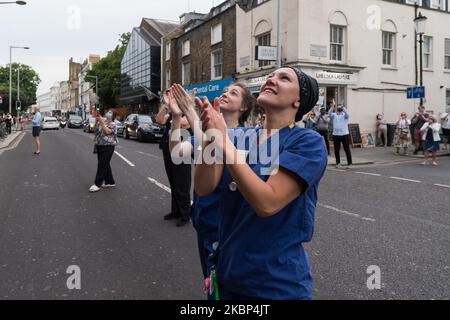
(415, 93)
(211, 90)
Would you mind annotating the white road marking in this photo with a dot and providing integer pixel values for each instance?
(403, 179)
(149, 155)
(442, 185)
(160, 185)
(369, 174)
(354, 215)
(125, 159)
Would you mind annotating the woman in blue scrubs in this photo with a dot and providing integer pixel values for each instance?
(267, 211)
(236, 104)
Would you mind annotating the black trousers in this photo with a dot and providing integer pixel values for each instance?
(8, 127)
(324, 134)
(345, 141)
(104, 172)
(180, 180)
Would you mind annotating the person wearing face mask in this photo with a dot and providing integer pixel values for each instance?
(236, 105)
(322, 127)
(381, 130)
(267, 209)
(105, 142)
(341, 135)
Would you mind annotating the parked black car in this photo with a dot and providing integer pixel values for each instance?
(75, 122)
(142, 127)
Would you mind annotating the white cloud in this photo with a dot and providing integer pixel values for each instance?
(57, 30)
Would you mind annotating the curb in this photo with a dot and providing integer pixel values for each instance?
(13, 141)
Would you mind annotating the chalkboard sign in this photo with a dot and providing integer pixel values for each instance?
(355, 135)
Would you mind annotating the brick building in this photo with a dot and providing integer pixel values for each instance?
(201, 53)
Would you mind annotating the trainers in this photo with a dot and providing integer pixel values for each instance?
(182, 222)
(425, 163)
(94, 189)
(435, 163)
(338, 166)
(108, 185)
(171, 216)
(350, 166)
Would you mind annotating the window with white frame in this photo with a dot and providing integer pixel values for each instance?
(167, 51)
(337, 43)
(186, 49)
(216, 64)
(216, 34)
(264, 40)
(427, 52)
(388, 48)
(186, 73)
(447, 54)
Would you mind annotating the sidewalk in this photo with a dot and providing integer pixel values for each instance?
(10, 139)
(379, 155)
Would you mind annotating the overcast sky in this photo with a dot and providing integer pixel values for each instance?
(55, 33)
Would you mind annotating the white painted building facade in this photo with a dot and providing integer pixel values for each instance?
(361, 52)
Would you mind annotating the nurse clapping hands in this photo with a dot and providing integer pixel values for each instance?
(266, 217)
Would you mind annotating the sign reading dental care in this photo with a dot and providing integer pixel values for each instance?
(335, 78)
(264, 53)
(211, 90)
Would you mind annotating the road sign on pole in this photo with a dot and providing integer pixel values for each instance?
(415, 93)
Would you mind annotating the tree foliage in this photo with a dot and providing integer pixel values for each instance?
(29, 82)
(108, 71)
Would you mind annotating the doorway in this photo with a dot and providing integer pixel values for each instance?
(337, 93)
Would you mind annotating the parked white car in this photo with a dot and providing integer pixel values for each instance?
(50, 123)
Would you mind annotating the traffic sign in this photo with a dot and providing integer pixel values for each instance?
(415, 93)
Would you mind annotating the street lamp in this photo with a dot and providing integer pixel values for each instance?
(421, 22)
(96, 88)
(10, 73)
(20, 3)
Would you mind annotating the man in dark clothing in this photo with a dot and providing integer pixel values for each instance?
(418, 121)
(179, 176)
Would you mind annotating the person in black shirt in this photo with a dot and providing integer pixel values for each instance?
(180, 176)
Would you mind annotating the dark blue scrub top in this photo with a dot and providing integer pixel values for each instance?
(263, 258)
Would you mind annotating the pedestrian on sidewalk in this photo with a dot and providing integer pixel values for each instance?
(381, 131)
(402, 139)
(431, 136)
(323, 126)
(179, 176)
(37, 130)
(310, 121)
(105, 143)
(9, 123)
(419, 119)
(446, 128)
(339, 117)
(267, 216)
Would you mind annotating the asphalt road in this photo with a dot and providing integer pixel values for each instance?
(366, 217)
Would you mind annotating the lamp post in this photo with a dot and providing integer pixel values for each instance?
(420, 23)
(10, 73)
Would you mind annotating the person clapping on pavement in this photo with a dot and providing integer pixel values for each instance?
(310, 121)
(431, 137)
(402, 138)
(105, 142)
(323, 126)
(446, 127)
(341, 135)
(419, 119)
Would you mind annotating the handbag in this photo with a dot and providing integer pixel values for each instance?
(403, 135)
